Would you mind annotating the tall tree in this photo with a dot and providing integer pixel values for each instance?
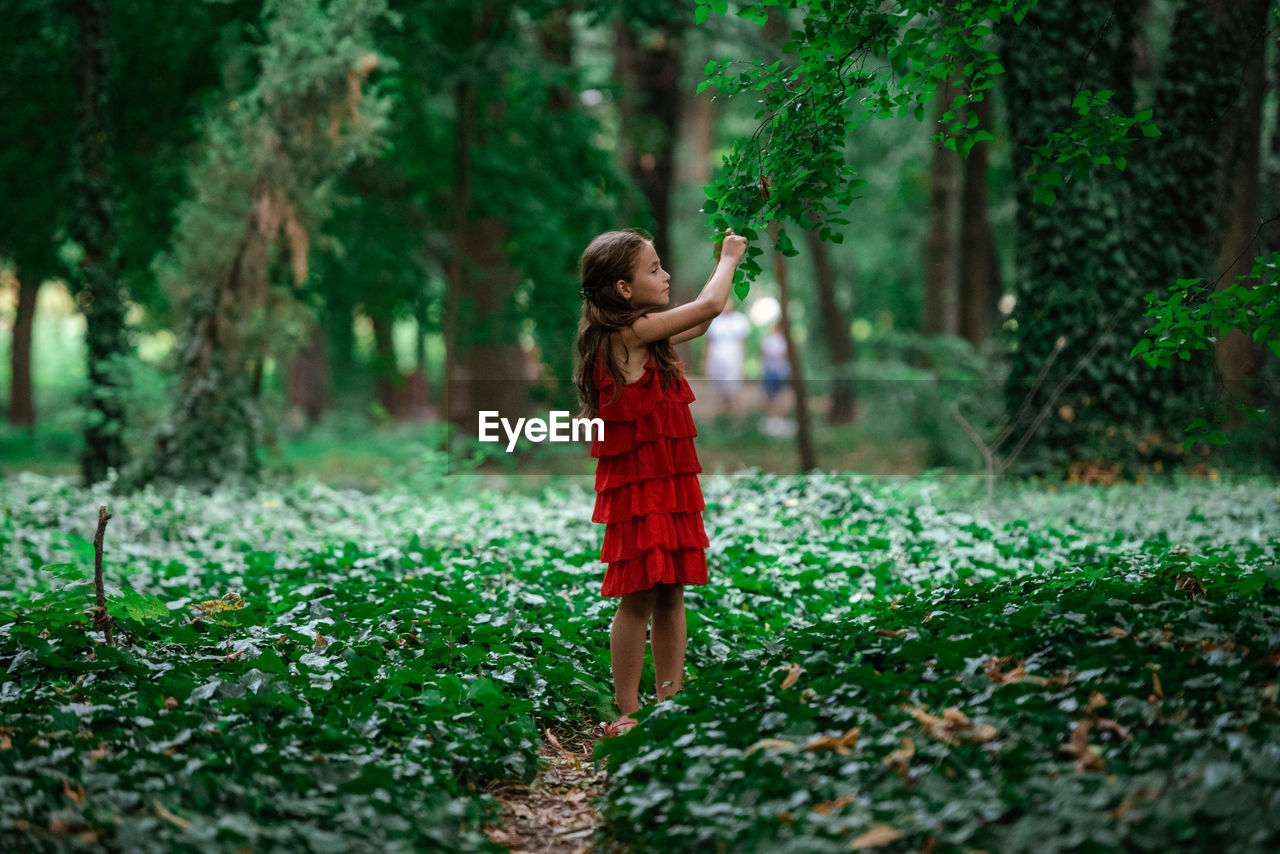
(259, 198)
(647, 63)
(485, 366)
(35, 59)
(1199, 179)
(1069, 379)
(836, 332)
(95, 273)
(155, 93)
(804, 428)
(942, 242)
(1240, 28)
(979, 277)
(22, 405)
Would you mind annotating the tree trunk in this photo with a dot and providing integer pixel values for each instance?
(386, 375)
(308, 380)
(22, 406)
(804, 427)
(212, 435)
(979, 285)
(1237, 357)
(340, 345)
(699, 120)
(942, 244)
(835, 325)
(484, 364)
(650, 114)
(97, 280)
(490, 365)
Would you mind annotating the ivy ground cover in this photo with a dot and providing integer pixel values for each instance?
(874, 665)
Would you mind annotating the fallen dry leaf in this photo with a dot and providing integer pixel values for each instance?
(771, 744)
(1118, 633)
(900, 760)
(828, 807)
(1190, 585)
(164, 814)
(76, 794)
(953, 727)
(826, 742)
(793, 674)
(881, 834)
(840, 745)
(1096, 701)
(1010, 677)
(891, 633)
(1079, 749)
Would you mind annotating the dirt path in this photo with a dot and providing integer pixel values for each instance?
(556, 813)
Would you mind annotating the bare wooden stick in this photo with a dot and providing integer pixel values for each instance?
(101, 619)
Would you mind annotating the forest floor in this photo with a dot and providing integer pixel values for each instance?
(556, 814)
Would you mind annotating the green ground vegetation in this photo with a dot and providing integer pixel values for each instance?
(318, 669)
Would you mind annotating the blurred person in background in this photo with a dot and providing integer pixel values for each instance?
(775, 372)
(726, 350)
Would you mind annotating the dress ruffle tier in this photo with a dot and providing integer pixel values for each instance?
(647, 491)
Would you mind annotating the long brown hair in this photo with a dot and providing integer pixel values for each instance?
(608, 258)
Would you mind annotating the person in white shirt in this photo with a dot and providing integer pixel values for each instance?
(726, 349)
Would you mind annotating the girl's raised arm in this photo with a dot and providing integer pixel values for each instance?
(699, 313)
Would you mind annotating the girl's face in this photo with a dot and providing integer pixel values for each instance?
(650, 284)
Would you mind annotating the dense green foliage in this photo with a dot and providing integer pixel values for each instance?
(1194, 315)
(323, 670)
(834, 77)
(1095, 684)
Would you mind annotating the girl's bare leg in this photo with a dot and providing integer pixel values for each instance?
(669, 638)
(626, 647)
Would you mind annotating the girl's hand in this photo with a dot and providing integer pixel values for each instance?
(732, 247)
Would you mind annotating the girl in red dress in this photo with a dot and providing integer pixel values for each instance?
(647, 491)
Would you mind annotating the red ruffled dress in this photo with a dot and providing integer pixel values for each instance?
(647, 491)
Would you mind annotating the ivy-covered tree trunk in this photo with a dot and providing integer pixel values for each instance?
(979, 276)
(1199, 178)
(260, 192)
(212, 434)
(22, 405)
(1072, 391)
(95, 278)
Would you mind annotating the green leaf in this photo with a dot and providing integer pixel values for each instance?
(70, 571)
(142, 606)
